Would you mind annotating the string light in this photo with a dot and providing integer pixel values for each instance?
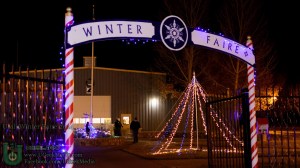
(194, 93)
(136, 41)
(31, 106)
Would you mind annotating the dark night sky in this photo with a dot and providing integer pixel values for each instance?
(33, 32)
(35, 35)
(283, 18)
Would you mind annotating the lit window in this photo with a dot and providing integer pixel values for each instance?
(126, 120)
(84, 120)
(76, 120)
(96, 120)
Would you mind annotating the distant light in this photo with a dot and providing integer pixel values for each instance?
(154, 102)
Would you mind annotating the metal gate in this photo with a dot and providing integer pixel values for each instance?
(32, 117)
(278, 116)
(278, 129)
(225, 131)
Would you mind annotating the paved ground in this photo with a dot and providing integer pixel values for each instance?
(132, 156)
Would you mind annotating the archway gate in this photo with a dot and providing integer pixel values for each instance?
(173, 32)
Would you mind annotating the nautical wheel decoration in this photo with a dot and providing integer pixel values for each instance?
(173, 33)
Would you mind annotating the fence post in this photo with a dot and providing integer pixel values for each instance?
(246, 124)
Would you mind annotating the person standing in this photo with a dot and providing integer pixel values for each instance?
(118, 126)
(87, 129)
(135, 126)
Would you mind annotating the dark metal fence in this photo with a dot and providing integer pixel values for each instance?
(32, 115)
(225, 131)
(278, 118)
(278, 129)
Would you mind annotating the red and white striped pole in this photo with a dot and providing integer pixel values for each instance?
(251, 89)
(69, 95)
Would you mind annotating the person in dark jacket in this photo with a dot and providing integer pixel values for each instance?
(118, 126)
(135, 126)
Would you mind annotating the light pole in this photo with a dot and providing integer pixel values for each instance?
(92, 76)
(195, 101)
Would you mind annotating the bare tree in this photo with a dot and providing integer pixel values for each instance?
(239, 19)
(216, 71)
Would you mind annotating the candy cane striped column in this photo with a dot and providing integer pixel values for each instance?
(69, 95)
(251, 88)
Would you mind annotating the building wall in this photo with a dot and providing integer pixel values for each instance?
(131, 93)
(83, 109)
